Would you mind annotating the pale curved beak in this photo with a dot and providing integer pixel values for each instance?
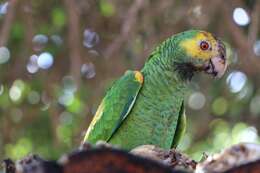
(218, 64)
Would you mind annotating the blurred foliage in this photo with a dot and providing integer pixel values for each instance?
(58, 57)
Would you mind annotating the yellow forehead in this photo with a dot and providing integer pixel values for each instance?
(192, 46)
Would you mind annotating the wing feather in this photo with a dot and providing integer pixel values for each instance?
(115, 107)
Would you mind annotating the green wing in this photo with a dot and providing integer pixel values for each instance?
(181, 127)
(115, 107)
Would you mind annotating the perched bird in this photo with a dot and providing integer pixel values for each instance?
(147, 106)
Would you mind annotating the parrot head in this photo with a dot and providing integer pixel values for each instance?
(202, 51)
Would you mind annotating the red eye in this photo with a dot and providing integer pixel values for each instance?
(204, 45)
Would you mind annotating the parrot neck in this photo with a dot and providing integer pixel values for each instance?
(159, 72)
(163, 65)
(170, 58)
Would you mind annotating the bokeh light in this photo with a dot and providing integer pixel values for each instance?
(248, 135)
(88, 70)
(66, 98)
(39, 42)
(257, 48)
(223, 135)
(34, 97)
(69, 84)
(93, 53)
(241, 17)
(247, 91)
(219, 106)
(90, 38)
(3, 8)
(69, 87)
(236, 80)
(16, 90)
(197, 11)
(4, 55)
(56, 39)
(20, 149)
(196, 100)
(244, 133)
(107, 8)
(45, 60)
(32, 66)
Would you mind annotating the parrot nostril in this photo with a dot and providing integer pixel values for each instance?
(222, 57)
(222, 53)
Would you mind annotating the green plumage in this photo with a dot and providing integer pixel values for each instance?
(114, 108)
(134, 113)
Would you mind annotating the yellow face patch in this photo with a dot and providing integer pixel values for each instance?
(193, 49)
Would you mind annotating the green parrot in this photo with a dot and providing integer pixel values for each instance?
(147, 106)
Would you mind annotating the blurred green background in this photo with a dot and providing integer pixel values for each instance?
(58, 57)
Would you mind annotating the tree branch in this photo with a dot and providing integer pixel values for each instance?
(6, 27)
(74, 39)
(129, 22)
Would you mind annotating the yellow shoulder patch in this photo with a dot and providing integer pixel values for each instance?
(139, 77)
